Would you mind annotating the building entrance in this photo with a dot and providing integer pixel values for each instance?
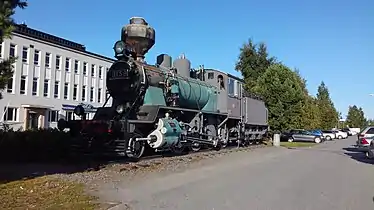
(33, 120)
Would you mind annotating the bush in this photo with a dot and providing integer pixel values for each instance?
(34, 145)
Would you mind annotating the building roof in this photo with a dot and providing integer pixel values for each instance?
(23, 29)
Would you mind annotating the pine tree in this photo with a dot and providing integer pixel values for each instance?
(356, 117)
(329, 117)
(253, 62)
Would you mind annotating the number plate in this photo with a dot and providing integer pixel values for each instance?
(118, 74)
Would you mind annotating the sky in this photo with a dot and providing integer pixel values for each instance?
(330, 40)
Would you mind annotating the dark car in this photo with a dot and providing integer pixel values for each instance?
(349, 132)
(301, 135)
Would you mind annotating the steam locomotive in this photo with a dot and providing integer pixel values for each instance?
(167, 106)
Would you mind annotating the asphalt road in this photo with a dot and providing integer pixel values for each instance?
(323, 177)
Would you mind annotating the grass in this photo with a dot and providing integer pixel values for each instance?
(44, 193)
(297, 144)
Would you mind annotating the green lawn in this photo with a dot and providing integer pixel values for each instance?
(44, 193)
(297, 144)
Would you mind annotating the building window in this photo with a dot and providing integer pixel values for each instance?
(47, 60)
(12, 51)
(35, 86)
(46, 88)
(67, 64)
(53, 116)
(99, 95)
(92, 70)
(22, 89)
(237, 88)
(25, 52)
(58, 62)
(100, 72)
(210, 75)
(76, 66)
(231, 86)
(36, 57)
(10, 85)
(75, 92)
(84, 93)
(66, 90)
(84, 68)
(57, 87)
(10, 114)
(92, 94)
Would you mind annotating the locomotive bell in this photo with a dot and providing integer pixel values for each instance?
(139, 36)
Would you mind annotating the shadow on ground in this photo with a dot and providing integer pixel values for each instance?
(23, 170)
(19, 171)
(358, 155)
(13, 171)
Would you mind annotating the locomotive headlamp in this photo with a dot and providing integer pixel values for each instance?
(79, 110)
(119, 47)
(120, 109)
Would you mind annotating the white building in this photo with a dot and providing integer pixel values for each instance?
(51, 76)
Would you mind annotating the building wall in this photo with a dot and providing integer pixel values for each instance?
(32, 65)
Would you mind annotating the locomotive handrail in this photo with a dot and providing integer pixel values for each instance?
(140, 121)
(224, 121)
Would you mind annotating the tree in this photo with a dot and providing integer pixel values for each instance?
(284, 97)
(370, 122)
(284, 91)
(329, 117)
(7, 10)
(253, 61)
(310, 112)
(356, 117)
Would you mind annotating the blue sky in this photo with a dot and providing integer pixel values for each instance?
(326, 40)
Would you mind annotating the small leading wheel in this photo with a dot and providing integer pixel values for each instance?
(135, 149)
(195, 146)
(177, 149)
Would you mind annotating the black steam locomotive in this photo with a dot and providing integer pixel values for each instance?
(167, 106)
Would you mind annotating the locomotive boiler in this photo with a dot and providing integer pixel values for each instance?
(167, 106)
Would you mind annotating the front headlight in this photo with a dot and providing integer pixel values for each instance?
(120, 109)
(79, 110)
(119, 47)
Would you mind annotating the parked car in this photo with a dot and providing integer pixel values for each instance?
(329, 135)
(355, 131)
(364, 138)
(301, 135)
(348, 131)
(370, 152)
(318, 133)
(341, 134)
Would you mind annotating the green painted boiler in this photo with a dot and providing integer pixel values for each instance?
(194, 94)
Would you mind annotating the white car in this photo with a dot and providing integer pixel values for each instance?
(329, 135)
(340, 134)
(365, 138)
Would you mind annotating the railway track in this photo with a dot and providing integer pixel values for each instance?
(150, 159)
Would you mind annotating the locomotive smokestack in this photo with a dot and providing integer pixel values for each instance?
(139, 36)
